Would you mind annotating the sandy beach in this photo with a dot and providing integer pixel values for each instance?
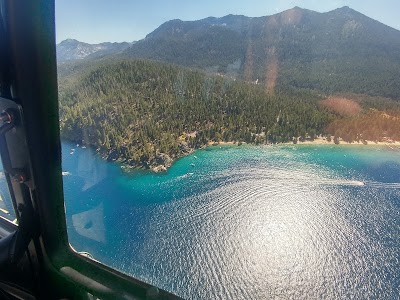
(322, 141)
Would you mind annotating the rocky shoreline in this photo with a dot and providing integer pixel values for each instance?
(162, 161)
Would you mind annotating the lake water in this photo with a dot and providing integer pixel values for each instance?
(248, 222)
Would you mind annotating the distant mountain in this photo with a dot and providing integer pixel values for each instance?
(70, 49)
(337, 51)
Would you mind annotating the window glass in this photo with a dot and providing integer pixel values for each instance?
(6, 206)
(231, 149)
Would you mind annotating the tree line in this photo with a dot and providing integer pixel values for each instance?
(135, 110)
(140, 111)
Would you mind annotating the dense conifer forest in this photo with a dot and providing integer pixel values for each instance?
(147, 114)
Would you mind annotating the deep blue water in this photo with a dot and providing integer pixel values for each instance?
(282, 222)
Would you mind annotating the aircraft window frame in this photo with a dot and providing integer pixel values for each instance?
(6, 227)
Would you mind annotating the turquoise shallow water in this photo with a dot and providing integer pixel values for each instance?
(282, 222)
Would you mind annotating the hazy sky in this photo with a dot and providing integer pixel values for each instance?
(95, 21)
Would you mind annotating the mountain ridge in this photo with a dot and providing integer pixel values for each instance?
(298, 47)
(72, 49)
(337, 51)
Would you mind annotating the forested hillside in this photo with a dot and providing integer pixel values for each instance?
(361, 118)
(337, 51)
(147, 113)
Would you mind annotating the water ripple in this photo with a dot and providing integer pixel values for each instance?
(264, 223)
